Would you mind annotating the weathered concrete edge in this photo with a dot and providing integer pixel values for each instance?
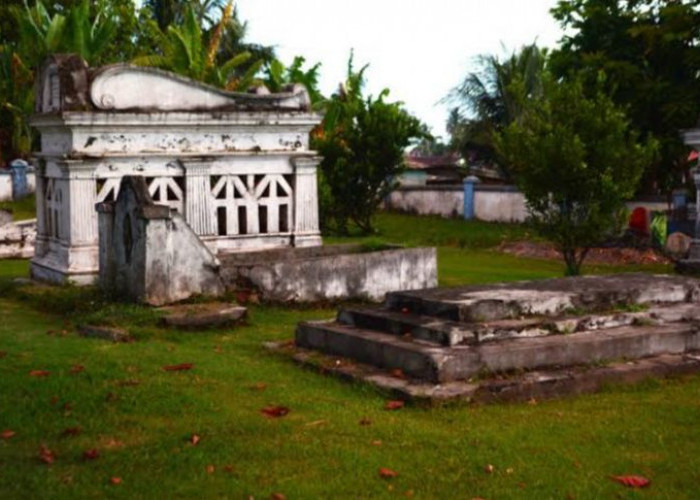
(536, 385)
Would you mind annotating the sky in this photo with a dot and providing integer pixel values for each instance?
(419, 49)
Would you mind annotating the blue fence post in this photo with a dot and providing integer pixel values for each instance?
(469, 185)
(18, 169)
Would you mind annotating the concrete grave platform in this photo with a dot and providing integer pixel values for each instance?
(454, 337)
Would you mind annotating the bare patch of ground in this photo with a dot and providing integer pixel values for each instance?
(613, 256)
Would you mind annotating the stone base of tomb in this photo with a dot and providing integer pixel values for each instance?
(571, 333)
(332, 272)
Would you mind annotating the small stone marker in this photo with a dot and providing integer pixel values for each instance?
(678, 244)
(202, 315)
(104, 333)
(5, 217)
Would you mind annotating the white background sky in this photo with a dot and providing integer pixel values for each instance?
(419, 49)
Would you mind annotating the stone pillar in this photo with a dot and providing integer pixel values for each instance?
(80, 204)
(199, 209)
(306, 225)
(19, 179)
(41, 243)
(469, 206)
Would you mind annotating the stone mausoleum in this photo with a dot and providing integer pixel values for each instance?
(236, 166)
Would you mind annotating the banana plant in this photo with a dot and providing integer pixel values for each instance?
(184, 51)
(277, 76)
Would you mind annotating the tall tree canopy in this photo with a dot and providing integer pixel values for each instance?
(650, 52)
(576, 160)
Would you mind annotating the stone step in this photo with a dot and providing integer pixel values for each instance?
(409, 326)
(383, 350)
(551, 298)
(435, 364)
(440, 331)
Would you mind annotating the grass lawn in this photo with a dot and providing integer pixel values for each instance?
(141, 419)
(22, 209)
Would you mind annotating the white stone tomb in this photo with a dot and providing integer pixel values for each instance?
(237, 166)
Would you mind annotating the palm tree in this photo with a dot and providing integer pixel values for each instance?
(491, 98)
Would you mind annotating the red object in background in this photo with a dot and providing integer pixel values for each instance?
(639, 221)
(693, 156)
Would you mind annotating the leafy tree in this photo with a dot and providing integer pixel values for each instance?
(576, 161)
(362, 141)
(184, 50)
(485, 100)
(650, 52)
(40, 32)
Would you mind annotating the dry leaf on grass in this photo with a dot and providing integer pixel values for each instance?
(91, 454)
(115, 480)
(71, 431)
(77, 369)
(632, 481)
(387, 473)
(275, 411)
(45, 455)
(178, 368)
(394, 405)
(194, 439)
(7, 434)
(39, 373)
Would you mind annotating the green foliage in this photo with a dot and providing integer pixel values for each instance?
(185, 50)
(576, 161)
(486, 101)
(650, 52)
(277, 76)
(362, 141)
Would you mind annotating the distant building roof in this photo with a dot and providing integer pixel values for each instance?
(417, 162)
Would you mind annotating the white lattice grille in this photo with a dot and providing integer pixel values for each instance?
(163, 190)
(252, 204)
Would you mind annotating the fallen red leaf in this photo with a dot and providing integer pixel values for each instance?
(39, 373)
(210, 469)
(489, 469)
(3, 354)
(394, 405)
(365, 422)
(77, 368)
(46, 455)
(91, 454)
(116, 480)
(178, 368)
(387, 473)
(7, 434)
(71, 431)
(277, 496)
(632, 481)
(194, 439)
(275, 411)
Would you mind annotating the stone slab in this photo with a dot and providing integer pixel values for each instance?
(330, 273)
(552, 297)
(194, 316)
(104, 333)
(526, 387)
